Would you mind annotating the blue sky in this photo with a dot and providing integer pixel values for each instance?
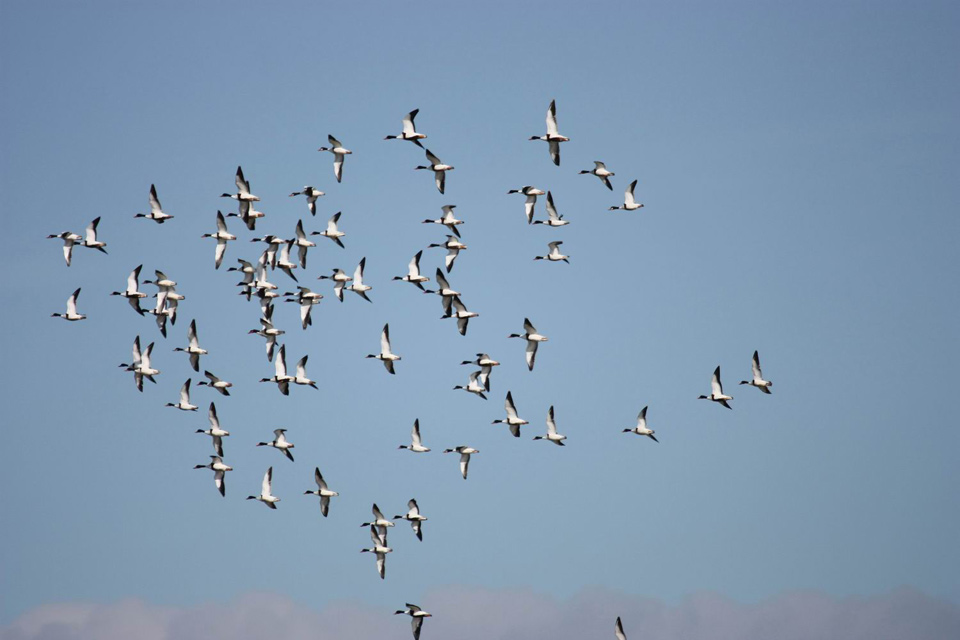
(798, 165)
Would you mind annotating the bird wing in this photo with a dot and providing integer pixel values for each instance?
(531, 353)
(552, 119)
(212, 416)
(154, 200)
(757, 374)
(715, 384)
(415, 434)
(385, 339)
(185, 392)
(551, 423)
(464, 464)
(555, 152)
(91, 231)
(529, 206)
(551, 208)
(267, 480)
(432, 158)
(628, 196)
(408, 125)
(510, 407)
(618, 630)
(242, 185)
(440, 177)
(72, 303)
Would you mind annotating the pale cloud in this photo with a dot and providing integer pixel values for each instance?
(480, 614)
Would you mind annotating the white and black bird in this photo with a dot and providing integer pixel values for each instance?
(266, 496)
(338, 152)
(465, 453)
(156, 211)
(483, 360)
(416, 614)
(453, 247)
(531, 193)
(323, 491)
(248, 214)
(306, 299)
(90, 237)
(216, 432)
(413, 273)
(69, 239)
(552, 434)
(554, 254)
(312, 195)
(379, 520)
(554, 219)
(243, 189)
(414, 518)
(552, 137)
(340, 280)
(449, 220)
(332, 231)
(136, 363)
(641, 428)
(193, 348)
(446, 292)
(533, 340)
(600, 170)
(758, 381)
(416, 444)
(219, 473)
(409, 130)
(458, 310)
(379, 548)
(280, 443)
(357, 285)
(439, 170)
(280, 376)
(474, 385)
(716, 390)
(215, 383)
(222, 236)
(132, 293)
(301, 377)
(386, 355)
(184, 404)
(629, 202)
(513, 421)
(284, 263)
(71, 313)
(302, 244)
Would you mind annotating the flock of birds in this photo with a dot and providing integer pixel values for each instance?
(289, 255)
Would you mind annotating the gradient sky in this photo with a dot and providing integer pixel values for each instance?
(799, 167)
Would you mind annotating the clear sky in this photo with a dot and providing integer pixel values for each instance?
(799, 165)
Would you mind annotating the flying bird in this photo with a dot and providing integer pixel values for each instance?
(414, 518)
(90, 237)
(323, 491)
(156, 211)
(554, 255)
(533, 340)
(465, 453)
(215, 431)
(69, 239)
(266, 497)
(409, 130)
(219, 471)
(513, 421)
(453, 247)
(449, 220)
(641, 428)
(600, 170)
(416, 616)
(552, 434)
(243, 189)
(332, 231)
(758, 381)
(416, 444)
(193, 348)
(553, 137)
(439, 170)
(312, 195)
(338, 153)
(222, 236)
(629, 202)
(531, 201)
(379, 548)
(184, 404)
(386, 355)
(215, 383)
(554, 219)
(716, 390)
(413, 273)
(279, 443)
(71, 313)
(474, 385)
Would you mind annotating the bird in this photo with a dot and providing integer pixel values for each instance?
(449, 220)
(156, 211)
(280, 372)
(513, 421)
(453, 247)
(338, 153)
(306, 300)
(340, 279)
(413, 273)
(71, 313)
(416, 444)
(716, 390)
(332, 231)
(386, 355)
(323, 491)
(248, 214)
(357, 286)
(215, 383)
(474, 386)
(132, 292)
(758, 381)
(459, 311)
(379, 548)
(273, 245)
(409, 130)
(483, 360)
(531, 201)
(618, 630)
(554, 255)
(215, 431)
(283, 260)
(301, 377)
(268, 331)
(641, 428)
(135, 365)
(414, 517)
(193, 348)
(162, 282)
(219, 472)
(312, 195)
(553, 137)
(144, 368)
(600, 170)
(162, 312)
(378, 519)
(90, 237)
(629, 203)
(69, 239)
(554, 219)
(533, 340)
(445, 292)
(416, 614)
(265, 496)
(302, 244)
(243, 189)
(279, 443)
(222, 236)
(184, 404)
(465, 453)
(552, 434)
(439, 170)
